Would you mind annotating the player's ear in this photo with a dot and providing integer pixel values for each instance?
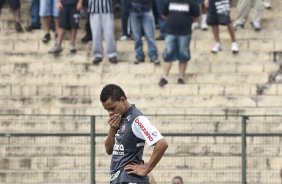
(122, 99)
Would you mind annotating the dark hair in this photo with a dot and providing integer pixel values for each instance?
(112, 91)
(178, 177)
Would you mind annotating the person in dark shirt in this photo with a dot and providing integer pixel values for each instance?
(129, 131)
(178, 36)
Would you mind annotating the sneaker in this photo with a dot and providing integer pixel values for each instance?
(180, 81)
(137, 61)
(160, 37)
(204, 26)
(46, 38)
(256, 25)
(86, 38)
(18, 27)
(195, 25)
(57, 48)
(113, 60)
(97, 60)
(216, 48)
(238, 26)
(124, 38)
(155, 61)
(267, 5)
(72, 48)
(163, 82)
(234, 48)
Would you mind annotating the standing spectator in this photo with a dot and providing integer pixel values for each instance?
(177, 180)
(161, 21)
(15, 6)
(218, 14)
(177, 41)
(141, 18)
(34, 13)
(48, 8)
(68, 19)
(125, 24)
(243, 10)
(129, 130)
(88, 35)
(102, 22)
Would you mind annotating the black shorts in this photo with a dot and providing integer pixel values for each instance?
(14, 4)
(219, 12)
(69, 17)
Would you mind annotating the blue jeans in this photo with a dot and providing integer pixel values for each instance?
(144, 21)
(34, 11)
(177, 48)
(161, 22)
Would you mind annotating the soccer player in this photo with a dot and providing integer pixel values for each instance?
(128, 132)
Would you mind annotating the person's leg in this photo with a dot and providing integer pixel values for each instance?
(243, 10)
(170, 54)
(231, 32)
(258, 10)
(96, 29)
(215, 31)
(55, 13)
(161, 22)
(35, 18)
(109, 35)
(184, 56)
(149, 29)
(125, 5)
(45, 13)
(15, 8)
(136, 24)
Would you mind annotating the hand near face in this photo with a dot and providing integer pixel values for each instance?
(136, 169)
(114, 120)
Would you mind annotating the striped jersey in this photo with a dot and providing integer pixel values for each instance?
(100, 6)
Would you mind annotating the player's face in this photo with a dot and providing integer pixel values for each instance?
(114, 107)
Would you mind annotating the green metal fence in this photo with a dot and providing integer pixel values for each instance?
(202, 149)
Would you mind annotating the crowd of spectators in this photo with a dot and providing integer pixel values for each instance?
(176, 20)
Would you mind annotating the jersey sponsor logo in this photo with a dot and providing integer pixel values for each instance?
(179, 7)
(118, 149)
(144, 130)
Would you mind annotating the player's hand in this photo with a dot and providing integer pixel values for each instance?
(114, 120)
(136, 169)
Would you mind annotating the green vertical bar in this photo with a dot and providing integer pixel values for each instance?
(92, 147)
(244, 150)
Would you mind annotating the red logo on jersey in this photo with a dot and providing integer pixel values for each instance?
(144, 129)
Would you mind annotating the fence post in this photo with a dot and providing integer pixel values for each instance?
(244, 150)
(92, 147)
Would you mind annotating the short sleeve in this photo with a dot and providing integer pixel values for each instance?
(143, 129)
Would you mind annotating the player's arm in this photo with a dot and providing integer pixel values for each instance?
(157, 154)
(143, 129)
(110, 139)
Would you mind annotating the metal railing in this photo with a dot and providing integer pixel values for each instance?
(202, 149)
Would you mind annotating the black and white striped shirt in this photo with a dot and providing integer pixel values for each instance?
(100, 6)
